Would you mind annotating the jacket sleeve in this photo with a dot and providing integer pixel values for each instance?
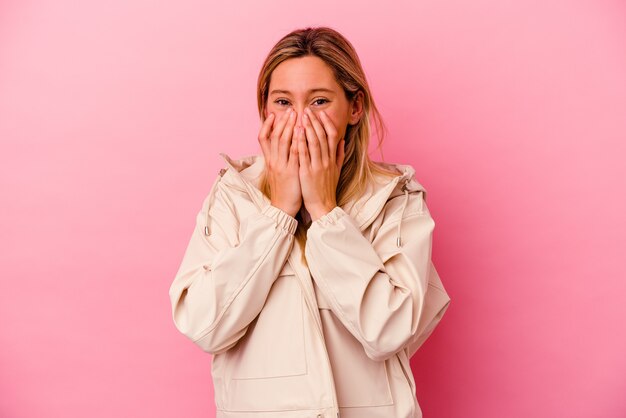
(225, 277)
(376, 289)
(435, 306)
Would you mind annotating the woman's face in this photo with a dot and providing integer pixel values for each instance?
(293, 84)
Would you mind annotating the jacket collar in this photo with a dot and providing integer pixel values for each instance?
(244, 174)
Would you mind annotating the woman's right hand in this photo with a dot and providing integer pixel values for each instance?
(281, 161)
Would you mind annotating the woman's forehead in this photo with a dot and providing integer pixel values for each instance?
(303, 75)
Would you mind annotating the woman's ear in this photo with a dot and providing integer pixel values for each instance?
(356, 108)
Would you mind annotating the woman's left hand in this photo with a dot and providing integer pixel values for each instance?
(321, 155)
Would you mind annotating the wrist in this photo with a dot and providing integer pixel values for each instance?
(318, 212)
(291, 210)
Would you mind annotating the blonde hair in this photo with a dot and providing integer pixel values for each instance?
(339, 54)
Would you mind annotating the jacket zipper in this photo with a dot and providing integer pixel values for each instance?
(380, 205)
(332, 382)
(308, 302)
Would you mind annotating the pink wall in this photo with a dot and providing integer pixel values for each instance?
(112, 115)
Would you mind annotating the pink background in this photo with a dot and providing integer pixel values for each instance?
(112, 115)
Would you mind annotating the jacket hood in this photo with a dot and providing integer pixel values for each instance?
(244, 173)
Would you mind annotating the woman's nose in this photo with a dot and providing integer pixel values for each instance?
(299, 113)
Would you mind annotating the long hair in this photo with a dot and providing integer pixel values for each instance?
(339, 54)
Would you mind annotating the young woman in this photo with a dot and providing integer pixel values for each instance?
(308, 275)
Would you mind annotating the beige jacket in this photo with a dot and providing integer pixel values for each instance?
(329, 340)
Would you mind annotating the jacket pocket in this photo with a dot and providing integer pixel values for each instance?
(360, 381)
(273, 346)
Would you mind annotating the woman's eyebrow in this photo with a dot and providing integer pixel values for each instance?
(275, 91)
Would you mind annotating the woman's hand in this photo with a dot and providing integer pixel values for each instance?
(321, 155)
(281, 161)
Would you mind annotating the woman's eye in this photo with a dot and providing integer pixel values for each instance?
(283, 102)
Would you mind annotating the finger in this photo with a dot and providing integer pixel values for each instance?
(331, 133)
(293, 149)
(321, 136)
(285, 139)
(341, 153)
(303, 152)
(276, 134)
(264, 135)
(313, 143)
